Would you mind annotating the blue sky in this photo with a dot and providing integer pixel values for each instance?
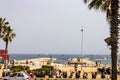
(54, 26)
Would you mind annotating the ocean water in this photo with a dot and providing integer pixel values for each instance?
(62, 58)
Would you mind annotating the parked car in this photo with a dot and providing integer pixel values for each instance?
(17, 76)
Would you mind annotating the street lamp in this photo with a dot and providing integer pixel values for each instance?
(81, 47)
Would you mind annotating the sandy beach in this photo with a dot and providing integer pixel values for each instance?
(38, 62)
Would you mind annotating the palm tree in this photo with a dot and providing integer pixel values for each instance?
(111, 7)
(3, 29)
(3, 23)
(8, 36)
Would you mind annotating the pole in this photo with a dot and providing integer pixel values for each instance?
(81, 48)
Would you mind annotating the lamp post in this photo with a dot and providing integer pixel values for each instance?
(81, 47)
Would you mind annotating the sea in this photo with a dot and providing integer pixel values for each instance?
(63, 58)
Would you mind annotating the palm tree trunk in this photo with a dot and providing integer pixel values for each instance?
(6, 47)
(114, 30)
(0, 28)
(6, 52)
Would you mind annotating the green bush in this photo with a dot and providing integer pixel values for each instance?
(45, 68)
(19, 68)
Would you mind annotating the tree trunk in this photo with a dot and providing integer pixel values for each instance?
(114, 30)
(0, 28)
(6, 47)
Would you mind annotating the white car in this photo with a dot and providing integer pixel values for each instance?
(17, 76)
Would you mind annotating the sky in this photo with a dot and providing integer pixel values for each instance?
(54, 26)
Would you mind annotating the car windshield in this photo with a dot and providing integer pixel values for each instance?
(27, 74)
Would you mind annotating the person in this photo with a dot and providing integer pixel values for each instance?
(78, 59)
(71, 59)
(75, 67)
(3, 73)
(31, 73)
(27, 61)
(71, 74)
(0, 67)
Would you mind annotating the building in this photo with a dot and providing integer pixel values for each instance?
(3, 55)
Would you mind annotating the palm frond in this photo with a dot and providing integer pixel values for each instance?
(105, 5)
(92, 4)
(8, 34)
(6, 23)
(99, 3)
(4, 20)
(0, 20)
(85, 1)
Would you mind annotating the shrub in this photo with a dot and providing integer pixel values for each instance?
(19, 68)
(45, 68)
